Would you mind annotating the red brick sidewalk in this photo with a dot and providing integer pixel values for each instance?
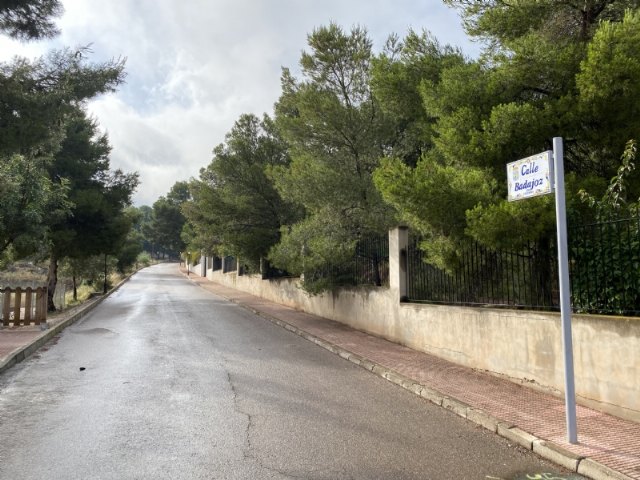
(605, 439)
(13, 338)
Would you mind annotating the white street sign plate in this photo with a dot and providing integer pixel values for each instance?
(530, 177)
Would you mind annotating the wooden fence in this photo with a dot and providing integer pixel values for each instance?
(23, 306)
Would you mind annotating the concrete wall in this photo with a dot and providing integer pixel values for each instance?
(523, 345)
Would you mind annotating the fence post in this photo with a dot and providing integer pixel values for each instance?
(28, 294)
(398, 243)
(17, 307)
(6, 307)
(41, 304)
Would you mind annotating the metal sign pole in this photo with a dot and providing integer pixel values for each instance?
(565, 292)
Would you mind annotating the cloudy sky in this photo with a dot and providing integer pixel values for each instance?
(194, 66)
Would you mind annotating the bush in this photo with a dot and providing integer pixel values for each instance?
(144, 260)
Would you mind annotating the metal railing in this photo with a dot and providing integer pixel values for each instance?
(229, 264)
(371, 261)
(216, 264)
(604, 261)
(605, 266)
(368, 266)
(525, 279)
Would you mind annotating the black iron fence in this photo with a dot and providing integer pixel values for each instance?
(216, 263)
(229, 264)
(604, 269)
(368, 266)
(273, 272)
(486, 277)
(371, 261)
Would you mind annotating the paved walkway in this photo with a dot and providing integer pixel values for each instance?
(609, 447)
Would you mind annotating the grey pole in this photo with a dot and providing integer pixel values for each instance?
(565, 292)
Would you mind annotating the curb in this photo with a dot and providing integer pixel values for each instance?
(22, 353)
(548, 450)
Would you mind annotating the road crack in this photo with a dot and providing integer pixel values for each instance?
(237, 409)
(247, 453)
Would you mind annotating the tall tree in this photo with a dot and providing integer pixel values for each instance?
(397, 77)
(168, 220)
(29, 197)
(36, 98)
(501, 22)
(29, 19)
(538, 78)
(235, 208)
(133, 244)
(336, 134)
(97, 223)
(142, 226)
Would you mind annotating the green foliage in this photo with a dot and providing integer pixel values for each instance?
(37, 100)
(607, 266)
(130, 251)
(551, 68)
(81, 294)
(29, 19)
(236, 209)
(397, 77)
(37, 96)
(86, 274)
(54, 171)
(96, 223)
(29, 198)
(313, 243)
(311, 248)
(164, 231)
(336, 134)
(433, 199)
(607, 250)
(609, 83)
(512, 225)
(502, 23)
(143, 260)
(142, 223)
(615, 203)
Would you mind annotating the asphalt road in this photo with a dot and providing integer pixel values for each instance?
(167, 381)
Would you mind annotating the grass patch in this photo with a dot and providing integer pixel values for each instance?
(23, 274)
(84, 292)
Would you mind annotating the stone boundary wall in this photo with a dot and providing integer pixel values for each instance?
(524, 346)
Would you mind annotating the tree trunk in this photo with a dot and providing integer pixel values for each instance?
(75, 288)
(52, 281)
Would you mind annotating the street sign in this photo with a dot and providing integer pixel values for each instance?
(539, 175)
(530, 177)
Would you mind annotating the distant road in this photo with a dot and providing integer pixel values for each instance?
(167, 381)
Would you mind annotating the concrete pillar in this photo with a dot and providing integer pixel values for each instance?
(398, 243)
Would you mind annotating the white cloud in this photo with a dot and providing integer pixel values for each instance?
(195, 66)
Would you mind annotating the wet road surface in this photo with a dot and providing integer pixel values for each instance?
(167, 381)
